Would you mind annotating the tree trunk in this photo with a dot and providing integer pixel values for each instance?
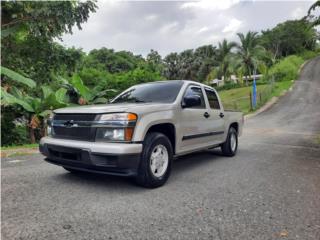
(43, 130)
(248, 77)
(32, 135)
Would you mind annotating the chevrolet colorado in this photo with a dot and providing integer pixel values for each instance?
(141, 130)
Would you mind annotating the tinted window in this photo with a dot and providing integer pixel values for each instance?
(165, 92)
(195, 90)
(213, 99)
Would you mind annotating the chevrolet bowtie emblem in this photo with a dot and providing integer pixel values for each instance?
(68, 123)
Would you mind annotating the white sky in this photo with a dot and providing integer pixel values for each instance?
(173, 26)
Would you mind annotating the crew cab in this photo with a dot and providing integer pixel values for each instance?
(141, 131)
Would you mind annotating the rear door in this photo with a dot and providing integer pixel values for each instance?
(216, 116)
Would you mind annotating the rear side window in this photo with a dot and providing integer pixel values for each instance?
(195, 90)
(213, 99)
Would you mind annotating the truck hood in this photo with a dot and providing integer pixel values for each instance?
(138, 108)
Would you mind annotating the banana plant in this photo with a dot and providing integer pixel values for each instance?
(17, 77)
(82, 93)
(38, 109)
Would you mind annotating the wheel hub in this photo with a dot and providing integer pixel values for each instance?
(159, 160)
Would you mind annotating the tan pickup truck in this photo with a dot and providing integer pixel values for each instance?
(141, 131)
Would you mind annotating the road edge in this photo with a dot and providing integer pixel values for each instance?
(274, 100)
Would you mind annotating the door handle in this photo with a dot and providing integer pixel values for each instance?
(221, 115)
(206, 115)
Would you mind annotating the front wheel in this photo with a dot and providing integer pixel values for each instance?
(155, 163)
(230, 146)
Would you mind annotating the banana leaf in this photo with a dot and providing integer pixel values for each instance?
(17, 77)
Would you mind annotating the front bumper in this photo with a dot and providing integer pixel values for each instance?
(107, 158)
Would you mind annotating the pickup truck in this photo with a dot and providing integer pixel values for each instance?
(141, 131)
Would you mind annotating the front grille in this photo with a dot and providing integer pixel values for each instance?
(65, 131)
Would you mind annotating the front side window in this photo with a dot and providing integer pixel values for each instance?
(195, 90)
(213, 99)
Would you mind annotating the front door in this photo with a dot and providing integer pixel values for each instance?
(194, 123)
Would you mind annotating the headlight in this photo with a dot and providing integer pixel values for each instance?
(119, 117)
(116, 127)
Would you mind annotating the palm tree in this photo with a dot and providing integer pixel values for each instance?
(224, 58)
(249, 52)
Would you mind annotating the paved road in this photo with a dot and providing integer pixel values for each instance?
(270, 190)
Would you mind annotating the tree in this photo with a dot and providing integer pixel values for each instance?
(314, 19)
(290, 37)
(28, 29)
(190, 64)
(187, 65)
(30, 54)
(113, 62)
(155, 61)
(45, 19)
(224, 58)
(205, 59)
(172, 66)
(249, 52)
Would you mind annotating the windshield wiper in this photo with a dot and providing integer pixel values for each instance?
(132, 101)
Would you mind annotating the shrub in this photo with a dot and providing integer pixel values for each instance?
(228, 85)
(287, 68)
(308, 54)
(12, 134)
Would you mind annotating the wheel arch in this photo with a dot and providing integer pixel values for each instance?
(234, 125)
(168, 129)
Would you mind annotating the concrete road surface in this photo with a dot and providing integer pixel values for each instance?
(270, 190)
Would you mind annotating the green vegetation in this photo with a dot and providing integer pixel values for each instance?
(313, 17)
(35, 145)
(239, 98)
(39, 75)
(286, 69)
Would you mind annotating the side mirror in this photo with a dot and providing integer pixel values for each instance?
(191, 101)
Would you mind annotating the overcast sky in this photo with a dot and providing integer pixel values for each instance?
(169, 26)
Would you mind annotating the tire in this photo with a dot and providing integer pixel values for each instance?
(227, 148)
(71, 170)
(154, 173)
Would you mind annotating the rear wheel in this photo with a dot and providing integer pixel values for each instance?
(155, 164)
(230, 146)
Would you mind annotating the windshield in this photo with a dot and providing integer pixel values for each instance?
(164, 92)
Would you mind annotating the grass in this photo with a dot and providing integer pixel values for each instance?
(35, 145)
(239, 99)
(280, 87)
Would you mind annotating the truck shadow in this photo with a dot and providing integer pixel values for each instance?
(180, 166)
(191, 161)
